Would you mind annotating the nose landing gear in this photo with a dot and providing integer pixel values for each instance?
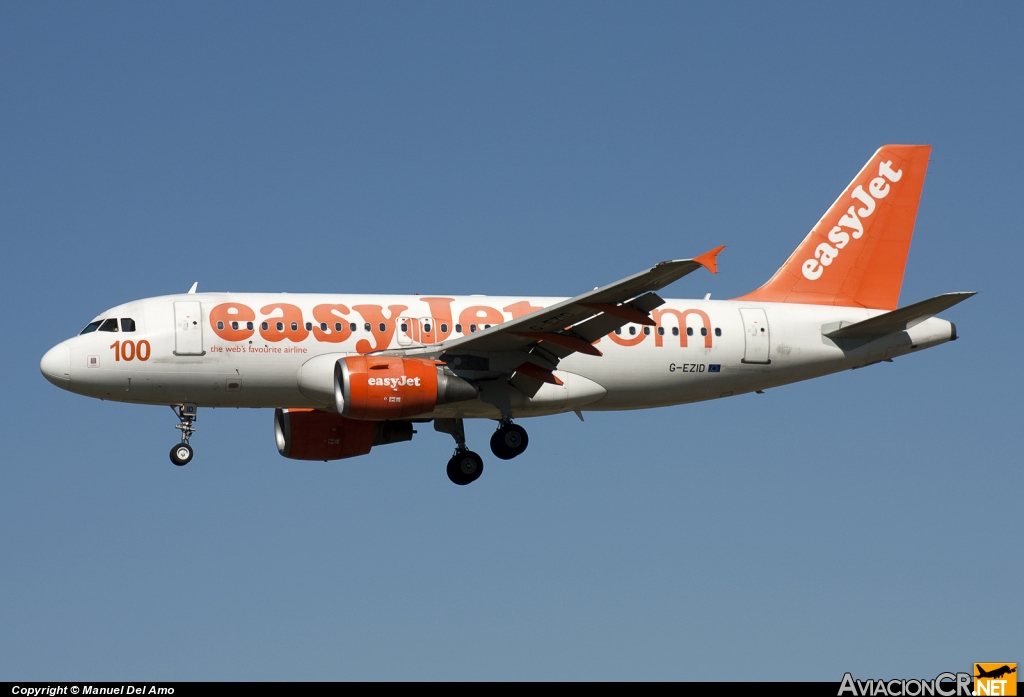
(509, 441)
(181, 454)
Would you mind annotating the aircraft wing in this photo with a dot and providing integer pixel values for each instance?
(549, 334)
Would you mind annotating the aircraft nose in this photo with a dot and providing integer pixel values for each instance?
(56, 365)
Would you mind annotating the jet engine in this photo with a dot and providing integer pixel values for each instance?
(376, 388)
(311, 434)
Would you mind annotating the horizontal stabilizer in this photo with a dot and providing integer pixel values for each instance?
(898, 320)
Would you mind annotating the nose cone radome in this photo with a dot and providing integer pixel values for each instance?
(56, 365)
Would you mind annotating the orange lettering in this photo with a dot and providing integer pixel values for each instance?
(330, 315)
(224, 314)
(290, 322)
(374, 314)
(479, 315)
(656, 315)
(627, 342)
(441, 311)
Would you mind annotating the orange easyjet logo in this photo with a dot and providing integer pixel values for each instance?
(852, 223)
(333, 323)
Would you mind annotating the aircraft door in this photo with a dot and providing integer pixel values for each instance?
(428, 332)
(406, 333)
(756, 336)
(188, 329)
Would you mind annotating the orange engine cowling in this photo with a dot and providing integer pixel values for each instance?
(385, 387)
(311, 434)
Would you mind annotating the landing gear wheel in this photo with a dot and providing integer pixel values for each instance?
(465, 467)
(181, 454)
(509, 441)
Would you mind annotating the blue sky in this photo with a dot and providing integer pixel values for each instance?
(860, 522)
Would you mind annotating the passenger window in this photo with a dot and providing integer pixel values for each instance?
(632, 331)
(382, 327)
(234, 325)
(309, 326)
(689, 331)
(458, 328)
(366, 327)
(444, 328)
(487, 326)
(405, 327)
(718, 331)
(675, 331)
(280, 326)
(351, 327)
(248, 325)
(703, 331)
(647, 331)
(323, 327)
(661, 331)
(220, 325)
(91, 327)
(295, 326)
(127, 324)
(109, 325)
(472, 328)
(618, 331)
(265, 326)
(426, 327)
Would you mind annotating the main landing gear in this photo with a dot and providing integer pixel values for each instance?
(466, 466)
(509, 440)
(181, 454)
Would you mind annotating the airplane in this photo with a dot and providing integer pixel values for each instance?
(996, 673)
(345, 373)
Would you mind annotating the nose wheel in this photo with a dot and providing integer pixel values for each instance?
(509, 441)
(181, 454)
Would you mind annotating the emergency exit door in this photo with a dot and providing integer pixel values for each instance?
(188, 329)
(756, 336)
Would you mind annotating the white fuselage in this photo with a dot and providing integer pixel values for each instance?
(698, 350)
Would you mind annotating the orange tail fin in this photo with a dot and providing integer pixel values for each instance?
(856, 254)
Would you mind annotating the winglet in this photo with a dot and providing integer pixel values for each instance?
(709, 260)
(192, 290)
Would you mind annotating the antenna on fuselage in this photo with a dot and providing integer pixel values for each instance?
(192, 290)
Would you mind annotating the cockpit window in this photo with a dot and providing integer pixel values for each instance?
(127, 324)
(93, 326)
(109, 325)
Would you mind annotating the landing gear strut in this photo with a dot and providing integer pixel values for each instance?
(465, 466)
(181, 454)
(509, 440)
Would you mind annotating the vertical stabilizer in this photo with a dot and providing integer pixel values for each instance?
(856, 254)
